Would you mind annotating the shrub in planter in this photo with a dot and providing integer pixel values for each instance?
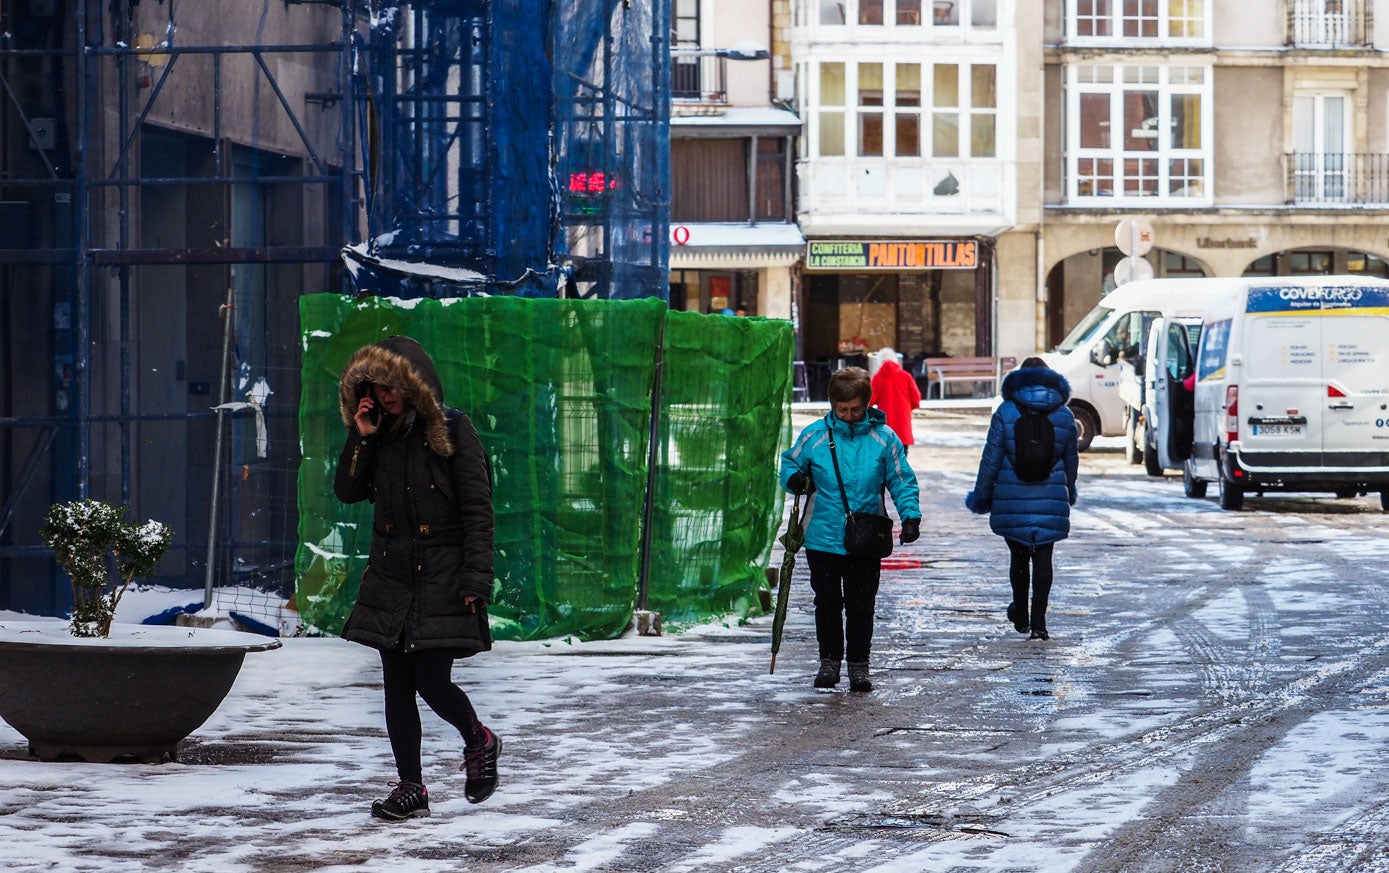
(102, 554)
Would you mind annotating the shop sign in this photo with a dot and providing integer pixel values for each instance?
(891, 256)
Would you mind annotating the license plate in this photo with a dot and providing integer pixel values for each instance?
(1279, 429)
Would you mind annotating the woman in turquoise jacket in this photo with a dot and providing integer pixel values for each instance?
(871, 459)
(1030, 516)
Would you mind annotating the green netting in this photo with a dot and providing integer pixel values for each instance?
(560, 391)
(724, 416)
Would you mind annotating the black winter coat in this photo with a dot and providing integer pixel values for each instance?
(432, 526)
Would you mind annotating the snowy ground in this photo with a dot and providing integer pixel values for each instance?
(1215, 697)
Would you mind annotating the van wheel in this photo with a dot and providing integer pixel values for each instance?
(1384, 500)
(1192, 486)
(1150, 456)
(1133, 453)
(1231, 495)
(1086, 427)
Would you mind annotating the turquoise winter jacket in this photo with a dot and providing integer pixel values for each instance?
(871, 457)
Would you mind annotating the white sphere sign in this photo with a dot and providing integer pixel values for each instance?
(1134, 236)
(1132, 270)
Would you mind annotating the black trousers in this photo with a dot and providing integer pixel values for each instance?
(1032, 562)
(430, 674)
(846, 588)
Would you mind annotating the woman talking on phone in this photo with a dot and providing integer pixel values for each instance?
(423, 596)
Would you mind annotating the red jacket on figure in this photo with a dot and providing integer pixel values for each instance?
(896, 394)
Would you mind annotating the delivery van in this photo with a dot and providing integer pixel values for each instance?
(1292, 389)
(1091, 355)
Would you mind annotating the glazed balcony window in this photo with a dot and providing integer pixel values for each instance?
(1121, 22)
(915, 15)
(959, 110)
(1138, 132)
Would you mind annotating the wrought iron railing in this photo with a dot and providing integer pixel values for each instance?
(698, 75)
(1336, 177)
(1329, 23)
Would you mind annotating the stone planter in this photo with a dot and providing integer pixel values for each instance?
(133, 696)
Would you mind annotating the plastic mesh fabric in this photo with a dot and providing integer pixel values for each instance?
(560, 392)
(725, 416)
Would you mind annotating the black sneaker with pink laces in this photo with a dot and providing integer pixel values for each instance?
(480, 763)
(407, 800)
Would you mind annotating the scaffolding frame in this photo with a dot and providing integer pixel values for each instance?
(76, 180)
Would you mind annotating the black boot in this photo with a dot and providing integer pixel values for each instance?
(828, 677)
(858, 677)
(1018, 617)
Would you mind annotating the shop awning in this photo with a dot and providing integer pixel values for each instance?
(732, 245)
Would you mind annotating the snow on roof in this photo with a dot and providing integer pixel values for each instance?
(742, 117)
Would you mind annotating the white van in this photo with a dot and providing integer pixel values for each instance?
(1090, 355)
(1153, 392)
(1292, 389)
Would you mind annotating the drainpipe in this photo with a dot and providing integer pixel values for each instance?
(1041, 332)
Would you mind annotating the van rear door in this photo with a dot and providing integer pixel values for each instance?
(1355, 367)
(1280, 383)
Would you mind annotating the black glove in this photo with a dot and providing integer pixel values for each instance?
(911, 531)
(800, 483)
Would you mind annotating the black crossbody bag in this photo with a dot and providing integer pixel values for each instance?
(866, 534)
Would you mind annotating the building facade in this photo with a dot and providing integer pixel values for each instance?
(918, 189)
(734, 242)
(1254, 141)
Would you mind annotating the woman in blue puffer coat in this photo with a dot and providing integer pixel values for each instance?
(1030, 516)
(871, 460)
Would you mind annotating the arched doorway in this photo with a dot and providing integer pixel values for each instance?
(1077, 283)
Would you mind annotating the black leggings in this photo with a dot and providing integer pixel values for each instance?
(1037, 559)
(846, 588)
(430, 673)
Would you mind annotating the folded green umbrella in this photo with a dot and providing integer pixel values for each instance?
(792, 540)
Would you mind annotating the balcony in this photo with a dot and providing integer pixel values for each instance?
(1328, 23)
(699, 76)
(1312, 178)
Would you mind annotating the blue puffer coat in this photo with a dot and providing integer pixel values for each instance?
(1031, 513)
(870, 456)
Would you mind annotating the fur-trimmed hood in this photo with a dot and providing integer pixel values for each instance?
(401, 363)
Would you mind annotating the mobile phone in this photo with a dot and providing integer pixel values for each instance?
(374, 413)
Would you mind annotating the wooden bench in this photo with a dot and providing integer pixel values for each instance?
(942, 371)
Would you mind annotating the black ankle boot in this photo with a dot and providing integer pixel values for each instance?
(828, 677)
(1018, 618)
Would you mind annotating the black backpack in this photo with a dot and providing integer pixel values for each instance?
(1034, 445)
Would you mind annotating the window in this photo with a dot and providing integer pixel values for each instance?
(908, 110)
(831, 114)
(983, 115)
(1138, 20)
(1321, 130)
(945, 114)
(684, 19)
(870, 114)
(907, 100)
(1138, 132)
(915, 14)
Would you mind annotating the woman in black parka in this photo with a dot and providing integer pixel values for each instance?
(423, 597)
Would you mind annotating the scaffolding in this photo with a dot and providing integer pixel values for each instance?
(174, 176)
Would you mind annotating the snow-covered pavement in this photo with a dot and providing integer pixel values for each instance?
(1215, 696)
